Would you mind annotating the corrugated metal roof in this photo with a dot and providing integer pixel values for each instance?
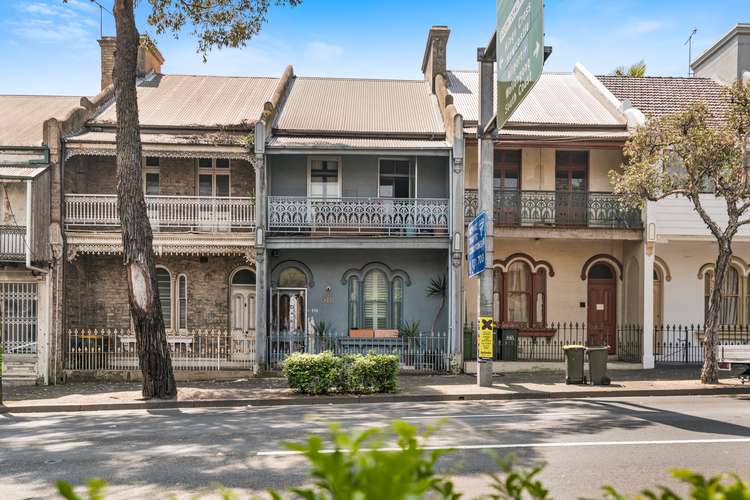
(198, 101)
(556, 99)
(22, 116)
(21, 172)
(206, 139)
(565, 134)
(354, 143)
(331, 105)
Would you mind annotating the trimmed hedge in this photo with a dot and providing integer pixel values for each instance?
(325, 372)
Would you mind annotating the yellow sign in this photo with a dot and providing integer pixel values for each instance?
(485, 337)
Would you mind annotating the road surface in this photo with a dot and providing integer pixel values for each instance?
(629, 443)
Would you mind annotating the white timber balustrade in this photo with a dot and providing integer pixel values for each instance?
(197, 213)
(12, 243)
(393, 216)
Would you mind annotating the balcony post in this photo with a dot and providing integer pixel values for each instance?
(261, 261)
(649, 255)
(455, 259)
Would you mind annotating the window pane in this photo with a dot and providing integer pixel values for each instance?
(205, 163)
(728, 314)
(222, 185)
(164, 284)
(324, 178)
(205, 185)
(386, 187)
(152, 161)
(401, 187)
(519, 288)
(182, 291)
(222, 163)
(291, 277)
(244, 277)
(152, 184)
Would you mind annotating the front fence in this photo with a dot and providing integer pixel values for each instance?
(198, 350)
(683, 345)
(546, 344)
(422, 353)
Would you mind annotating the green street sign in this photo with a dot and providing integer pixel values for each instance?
(520, 53)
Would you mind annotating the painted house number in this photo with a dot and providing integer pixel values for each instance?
(600, 307)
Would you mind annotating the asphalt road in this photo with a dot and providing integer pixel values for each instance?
(629, 443)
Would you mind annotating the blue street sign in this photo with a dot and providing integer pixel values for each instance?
(477, 237)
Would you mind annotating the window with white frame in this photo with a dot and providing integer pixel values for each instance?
(214, 177)
(182, 302)
(152, 176)
(164, 284)
(324, 178)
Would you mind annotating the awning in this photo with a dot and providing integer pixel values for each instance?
(356, 145)
(21, 172)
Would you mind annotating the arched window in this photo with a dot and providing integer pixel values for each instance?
(292, 277)
(182, 302)
(729, 309)
(518, 293)
(375, 300)
(376, 296)
(164, 284)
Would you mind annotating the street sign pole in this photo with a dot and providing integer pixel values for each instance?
(518, 48)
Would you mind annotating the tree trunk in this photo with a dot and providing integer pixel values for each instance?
(710, 372)
(137, 250)
(437, 316)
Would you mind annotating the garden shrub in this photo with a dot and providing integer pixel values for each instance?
(313, 373)
(323, 373)
(372, 373)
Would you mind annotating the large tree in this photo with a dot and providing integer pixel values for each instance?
(689, 154)
(215, 24)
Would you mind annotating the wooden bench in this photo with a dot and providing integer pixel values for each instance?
(735, 354)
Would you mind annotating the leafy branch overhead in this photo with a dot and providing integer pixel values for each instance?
(215, 23)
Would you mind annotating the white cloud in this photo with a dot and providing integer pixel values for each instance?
(642, 26)
(53, 21)
(323, 51)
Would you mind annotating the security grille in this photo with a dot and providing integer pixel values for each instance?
(18, 317)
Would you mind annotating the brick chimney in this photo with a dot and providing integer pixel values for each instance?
(149, 59)
(435, 62)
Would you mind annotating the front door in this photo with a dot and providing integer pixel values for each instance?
(602, 307)
(243, 308)
(288, 323)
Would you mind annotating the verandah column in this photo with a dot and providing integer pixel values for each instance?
(456, 254)
(649, 254)
(261, 261)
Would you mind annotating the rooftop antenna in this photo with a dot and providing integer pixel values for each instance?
(688, 42)
(102, 9)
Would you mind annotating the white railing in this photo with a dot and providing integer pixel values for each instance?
(197, 213)
(12, 243)
(199, 350)
(403, 216)
(18, 318)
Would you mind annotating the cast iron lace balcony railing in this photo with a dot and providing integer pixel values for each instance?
(557, 208)
(197, 213)
(12, 243)
(403, 216)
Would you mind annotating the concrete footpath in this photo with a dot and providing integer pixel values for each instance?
(273, 391)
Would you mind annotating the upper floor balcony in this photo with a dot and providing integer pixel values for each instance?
(166, 213)
(12, 243)
(360, 216)
(556, 209)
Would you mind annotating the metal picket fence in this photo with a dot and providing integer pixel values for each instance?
(683, 345)
(198, 350)
(424, 353)
(546, 343)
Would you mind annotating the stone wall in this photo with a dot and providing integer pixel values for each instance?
(97, 296)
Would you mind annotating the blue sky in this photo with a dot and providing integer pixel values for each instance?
(49, 47)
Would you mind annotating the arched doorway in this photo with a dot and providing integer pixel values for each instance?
(602, 306)
(242, 300)
(289, 301)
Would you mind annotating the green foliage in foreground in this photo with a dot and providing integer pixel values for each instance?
(325, 372)
(367, 465)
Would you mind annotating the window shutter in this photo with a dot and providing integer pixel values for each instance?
(354, 315)
(398, 300)
(375, 300)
